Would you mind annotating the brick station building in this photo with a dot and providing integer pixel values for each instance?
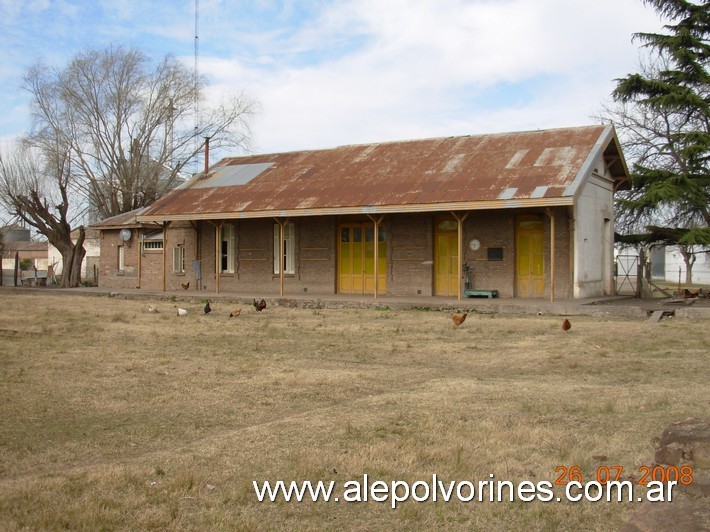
(525, 214)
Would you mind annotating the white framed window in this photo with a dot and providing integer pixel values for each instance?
(153, 244)
(179, 259)
(227, 248)
(289, 257)
(121, 258)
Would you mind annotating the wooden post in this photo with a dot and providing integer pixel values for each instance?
(217, 252)
(570, 240)
(140, 255)
(282, 261)
(639, 274)
(196, 226)
(553, 255)
(377, 253)
(17, 265)
(459, 273)
(165, 248)
(377, 221)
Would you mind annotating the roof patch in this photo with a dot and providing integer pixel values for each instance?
(307, 202)
(228, 176)
(453, 163)
(539, 192)
(365, 154)
(508, 193)
(556, 156)
(515, 159)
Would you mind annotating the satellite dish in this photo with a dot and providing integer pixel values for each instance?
(125, 235)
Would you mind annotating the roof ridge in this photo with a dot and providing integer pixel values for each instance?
(423, 139)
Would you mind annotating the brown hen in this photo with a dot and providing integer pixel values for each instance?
(458, 319)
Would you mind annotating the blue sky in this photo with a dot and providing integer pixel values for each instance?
(328, 73)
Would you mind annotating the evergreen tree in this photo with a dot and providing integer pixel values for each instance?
(671, 109)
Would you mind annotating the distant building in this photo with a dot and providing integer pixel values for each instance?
(18, 243)
(16, 233)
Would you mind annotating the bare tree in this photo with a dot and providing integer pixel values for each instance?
(130, 127)
(2, 251)
(110, 133)
(35, 187)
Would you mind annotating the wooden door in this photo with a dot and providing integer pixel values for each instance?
(446, 259)
(356, 259)
(530, 262)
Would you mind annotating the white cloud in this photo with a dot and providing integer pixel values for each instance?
(340, 72)
(367, 70)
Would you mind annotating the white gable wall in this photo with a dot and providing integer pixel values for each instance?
(594, 234)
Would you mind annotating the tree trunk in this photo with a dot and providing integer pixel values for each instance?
(67, 264)
(689, 259)
(78, 258)
(72, 257)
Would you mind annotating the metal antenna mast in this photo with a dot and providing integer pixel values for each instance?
(197, 83)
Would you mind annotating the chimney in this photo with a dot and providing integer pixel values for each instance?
(207, 154)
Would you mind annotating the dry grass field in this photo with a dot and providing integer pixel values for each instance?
(113, 418)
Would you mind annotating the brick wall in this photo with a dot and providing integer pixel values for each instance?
(110, 276)
(493, 229)
(410, 255)
(410, 260)
(316, 250)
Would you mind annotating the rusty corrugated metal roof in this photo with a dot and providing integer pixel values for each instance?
(485, 171)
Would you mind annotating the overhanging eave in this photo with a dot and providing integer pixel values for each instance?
(524, 203)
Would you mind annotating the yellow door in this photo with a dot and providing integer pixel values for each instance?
(530, 263)
(356, 257)
(446, 259)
